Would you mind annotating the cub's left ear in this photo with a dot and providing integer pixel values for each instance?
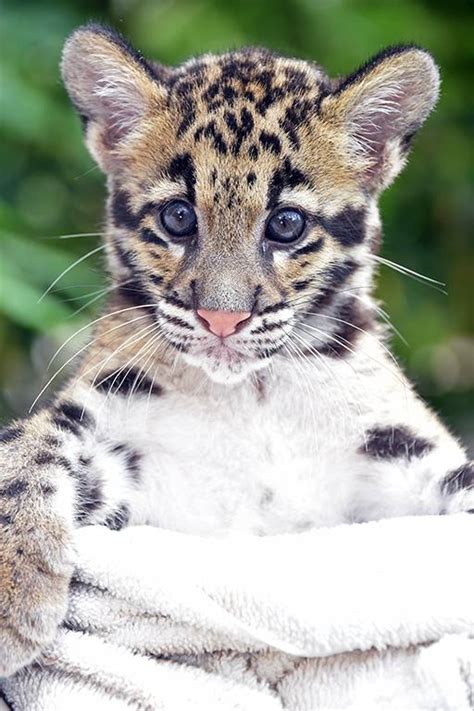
(380, 108)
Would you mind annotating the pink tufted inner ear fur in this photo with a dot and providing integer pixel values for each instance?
(381, 106)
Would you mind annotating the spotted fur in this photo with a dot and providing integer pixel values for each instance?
(300, 418)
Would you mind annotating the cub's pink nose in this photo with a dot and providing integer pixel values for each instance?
(223, 323)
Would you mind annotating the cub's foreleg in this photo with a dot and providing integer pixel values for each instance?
(54, 475)
(404, 472)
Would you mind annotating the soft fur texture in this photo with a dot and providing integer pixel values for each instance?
(300, 418)
(369, 617)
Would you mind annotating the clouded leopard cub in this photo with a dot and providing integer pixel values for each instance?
(238, 378)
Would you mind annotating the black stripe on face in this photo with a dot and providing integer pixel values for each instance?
(125, 256)
(333, 278)
(397, 442)
(266, 327)
(269, 352)
(309, 248)
(123, 215)
(176, 321)
(10, 434)
(461, 478)
(137, 294)
(347, 227)
(354, 319)
(273, 307)
(131, 382)
(150, 237)
(182, 167)
(121, 212)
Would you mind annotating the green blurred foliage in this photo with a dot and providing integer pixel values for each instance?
(50, 187)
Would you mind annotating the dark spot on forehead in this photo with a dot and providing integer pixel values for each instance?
(251, 178)
(253, 152)
(211, 92)
(229, 94)
(182, 166)
(241, 127)
(296, 80)
(216, 137)
(270, 141)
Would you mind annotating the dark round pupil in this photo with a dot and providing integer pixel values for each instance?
(286, 226)
(179, 218)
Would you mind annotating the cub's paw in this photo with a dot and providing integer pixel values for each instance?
(458, 490)
(35, 568)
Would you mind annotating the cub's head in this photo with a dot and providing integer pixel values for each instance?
(243, 189)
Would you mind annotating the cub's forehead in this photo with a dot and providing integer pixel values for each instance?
(225, 97)
(239, 122)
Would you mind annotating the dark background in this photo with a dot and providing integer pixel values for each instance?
(50, 187)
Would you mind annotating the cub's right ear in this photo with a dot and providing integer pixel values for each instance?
(113, 89)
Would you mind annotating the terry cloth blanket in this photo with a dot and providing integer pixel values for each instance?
(370, 617)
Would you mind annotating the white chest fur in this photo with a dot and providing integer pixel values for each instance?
(216, 459)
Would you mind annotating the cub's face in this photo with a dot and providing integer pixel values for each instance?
(243, 188)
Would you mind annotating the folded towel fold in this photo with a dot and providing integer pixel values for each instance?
(363, 617)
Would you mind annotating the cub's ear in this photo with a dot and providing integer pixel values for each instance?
(112, 87)
(379, 109)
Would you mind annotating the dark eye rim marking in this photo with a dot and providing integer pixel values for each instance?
(278, 211)
(189, 230)
(309, 248)
(150, 237)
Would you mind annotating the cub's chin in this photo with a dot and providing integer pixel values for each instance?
(224, 365)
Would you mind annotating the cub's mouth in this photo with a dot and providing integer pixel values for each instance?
(223, 362)
(227, 346)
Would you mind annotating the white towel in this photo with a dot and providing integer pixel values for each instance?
(365, 617)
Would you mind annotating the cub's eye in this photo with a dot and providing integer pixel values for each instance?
(179, 218)
(285, 225)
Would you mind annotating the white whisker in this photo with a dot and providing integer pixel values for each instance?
(69, 268)
(409, 272)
